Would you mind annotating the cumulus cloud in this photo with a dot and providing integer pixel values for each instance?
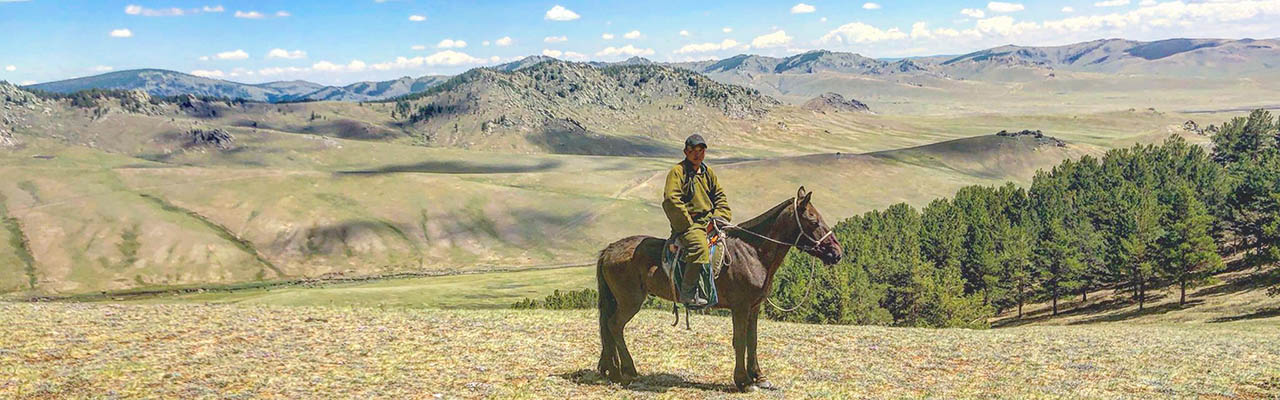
(99, 68)
(708, 47)
(801, 8)
(632, 35)
(10, 68)
(571, 55)
(283, 13)
(559, 13)
(121, 33)
(249, 15)
(236, 54)
(870, 6)
(1068, 9)
(134, 9)
(726, 29)
(555, 39)
(857, 32)
(1002, 7)
(552, 53)
(281, 70)
(451, 44)
(353, 66)
(627, 50)
(973, 12)
(606, 36)
(1111, 3)
(417, 18)
(684, 33)
(446, 57)
(423, 47)
(214, 9)
(286, 54)
(504, 41)
(208, 73)
(776, 39)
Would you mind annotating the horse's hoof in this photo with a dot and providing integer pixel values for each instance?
(752, 388)
(763, 384)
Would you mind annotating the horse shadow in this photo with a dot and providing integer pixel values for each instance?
(655, 383)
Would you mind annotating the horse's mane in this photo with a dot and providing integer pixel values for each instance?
(758, 223)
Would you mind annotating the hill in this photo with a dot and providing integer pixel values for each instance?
(66, 350)
(158, 82)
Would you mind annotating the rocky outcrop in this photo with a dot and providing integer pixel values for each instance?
(212, 137)
(1036, 134)
(834, 102)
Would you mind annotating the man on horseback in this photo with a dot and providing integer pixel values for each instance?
(692, 198)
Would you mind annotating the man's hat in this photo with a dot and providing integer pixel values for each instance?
(694, 140)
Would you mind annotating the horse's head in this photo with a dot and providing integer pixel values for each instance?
(815, 237)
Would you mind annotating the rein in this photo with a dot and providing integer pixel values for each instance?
(795, 206)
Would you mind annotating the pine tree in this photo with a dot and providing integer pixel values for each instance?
(1015, 258)
(1139, 240)
(1191, 255)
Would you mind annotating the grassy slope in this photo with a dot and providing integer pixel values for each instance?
(78, 350)
(286, 205)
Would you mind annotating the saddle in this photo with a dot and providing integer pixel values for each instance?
(673, 265)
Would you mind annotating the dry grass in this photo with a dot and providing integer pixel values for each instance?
(227, 351)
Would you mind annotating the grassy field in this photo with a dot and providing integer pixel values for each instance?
(241, 351)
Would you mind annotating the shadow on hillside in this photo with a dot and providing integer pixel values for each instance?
(655, 383)
(1263, 313)
(1160, 309)
(1072, 307)
(577, 141)
(456, 167)
(1244, 282)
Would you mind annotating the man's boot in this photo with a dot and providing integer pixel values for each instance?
(689, 286)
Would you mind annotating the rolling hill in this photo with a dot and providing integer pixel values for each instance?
(158, 82)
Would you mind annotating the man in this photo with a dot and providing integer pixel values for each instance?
(691, 198)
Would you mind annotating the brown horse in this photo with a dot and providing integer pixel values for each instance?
(628, 270)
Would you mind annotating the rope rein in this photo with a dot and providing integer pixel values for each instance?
(795, 206)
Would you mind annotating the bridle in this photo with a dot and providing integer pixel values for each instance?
(795, 203)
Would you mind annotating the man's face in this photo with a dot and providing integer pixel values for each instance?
(695, 154)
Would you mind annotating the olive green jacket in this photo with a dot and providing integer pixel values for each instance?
(693, 197)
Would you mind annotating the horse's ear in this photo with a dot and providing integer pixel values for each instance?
(800, 193)
(807, 197)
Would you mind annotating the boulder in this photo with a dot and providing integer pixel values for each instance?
(211, 137)
(834, 102)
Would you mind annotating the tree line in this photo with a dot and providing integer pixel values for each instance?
(1135, 219)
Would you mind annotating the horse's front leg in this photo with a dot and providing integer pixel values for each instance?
(741, 325)
(753, 364)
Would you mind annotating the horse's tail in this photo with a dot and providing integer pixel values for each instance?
(608, 306)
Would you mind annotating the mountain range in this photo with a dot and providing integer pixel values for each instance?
(1168, 58)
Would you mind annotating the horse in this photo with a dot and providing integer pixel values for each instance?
(628, 271)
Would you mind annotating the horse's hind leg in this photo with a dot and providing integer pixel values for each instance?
(627, 308)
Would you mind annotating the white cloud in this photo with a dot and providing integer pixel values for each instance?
(451, 44)
(204, 58)
(504, 41)
(1068, 9)
(823, 19)
(249, 15)
(446, 57)
(121, 33)
(420, 47)
(632, 35)
(236, 54)
(920, 30)
(134, 9)
(485, 43)
(1146, 3)
(801, 8)
(627, 50)
(282, 14)
(726, 29)
(606, 36)
(571, 55)
(559, 13)
(281, 70)
(552, 53)
(707, 47)
(494, 59)
(1002, 7)
(776, 39)
(684, 33)
(282, 53)
(214, 9)
(27, 82)
(973, 12)
(99, 68)
(209, 73)
(417, 18)
(858, 32)
(870, 6)
(1111, 3)
(555, 39)
(11, 68)
(353, 66)
(1004, 25)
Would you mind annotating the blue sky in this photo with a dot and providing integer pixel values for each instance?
(343, 41)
